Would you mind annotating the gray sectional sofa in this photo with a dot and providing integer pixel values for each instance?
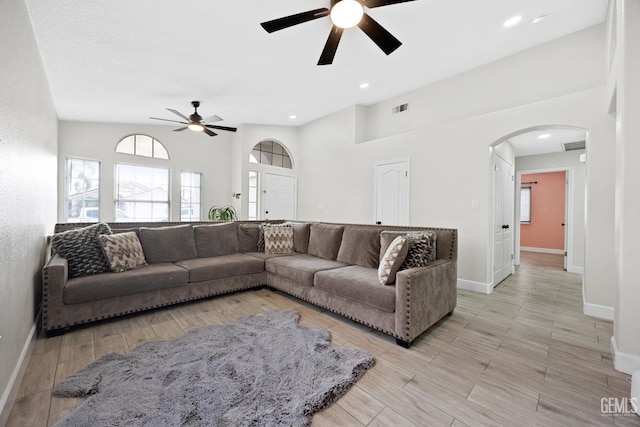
(334, 266)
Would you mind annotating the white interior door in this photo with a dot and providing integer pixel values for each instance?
(392, 193)
(279, 196)
(503, 215)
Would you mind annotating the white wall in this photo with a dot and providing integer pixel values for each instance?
(566, 160)
(188, 151)
(28, 193)
(450, 154)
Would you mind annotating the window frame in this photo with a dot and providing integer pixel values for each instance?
(154, 142)
(117, 201)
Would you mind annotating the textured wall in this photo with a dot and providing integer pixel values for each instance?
(28, 195)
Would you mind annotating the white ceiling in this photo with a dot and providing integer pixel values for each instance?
(124, 60)
(537, 142)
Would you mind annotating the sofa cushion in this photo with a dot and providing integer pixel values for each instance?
(278, 240)
(422, 246)
(360, 246)
(201, 269)
(359, 284)
(248, 235)
(168, 244)
(122, 251)
(82, 250)
(216, 239)
(109, 285)
(300, 267)
(300, 236)
(392, 260)
(324, 240)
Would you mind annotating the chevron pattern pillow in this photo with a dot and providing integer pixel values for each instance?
(122, 251)
(422, 249)
(81, 249)
(278, 239)
(392, 260)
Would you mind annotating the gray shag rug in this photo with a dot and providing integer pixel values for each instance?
(263, 370)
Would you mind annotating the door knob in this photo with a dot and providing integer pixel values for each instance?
(378, 222)
(505, 226)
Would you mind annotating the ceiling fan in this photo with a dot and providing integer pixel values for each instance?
(344, 14)
(195, 122)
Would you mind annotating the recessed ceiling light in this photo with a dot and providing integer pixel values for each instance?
(512, 21)
(544, 136)
(364, 85)
(539, 19)
(293, 116)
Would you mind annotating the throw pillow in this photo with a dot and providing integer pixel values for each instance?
(392, 260)
(81, 249)
(422, 249)
(261, 236)
(122, 251)
(278, 240)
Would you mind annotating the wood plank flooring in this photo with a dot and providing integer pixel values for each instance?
(525, 355)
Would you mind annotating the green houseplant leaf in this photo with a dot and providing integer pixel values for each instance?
(222, 213)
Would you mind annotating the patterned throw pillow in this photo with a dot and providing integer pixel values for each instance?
(392, 260)
(278, 239)
(422, 249)
(261, 235)
(123, 251)
(81, 249)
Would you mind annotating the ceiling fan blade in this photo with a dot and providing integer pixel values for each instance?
(167, 120)
(377, 3)
(181, 129)
(330, 47)
(376, 32)
(212, 119)
(178, 113)
(230, 129)
(208, 132)
(290, 21)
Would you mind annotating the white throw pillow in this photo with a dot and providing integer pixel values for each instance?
(392, 260)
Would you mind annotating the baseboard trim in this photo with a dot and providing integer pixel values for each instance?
(624, 362)
(10, 393)
(542, 250)
(596, 310)
(469, 285)
(577, 270)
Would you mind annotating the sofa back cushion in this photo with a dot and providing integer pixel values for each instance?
(248, 235)
(216, 239)
(300, 236)
(360, 246)
(324, 240)
(168, 244)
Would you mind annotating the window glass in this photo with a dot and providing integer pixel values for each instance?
(271, 153)
(142, 145)
(525, 204)
(253, 195)
(141, 193)
(190, 196)
(82, 190)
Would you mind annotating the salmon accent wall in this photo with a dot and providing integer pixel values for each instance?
(547, 211)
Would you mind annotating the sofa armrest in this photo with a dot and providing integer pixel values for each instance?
(423, 296)
(54, 277)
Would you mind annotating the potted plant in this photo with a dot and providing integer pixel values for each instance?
(222, 213)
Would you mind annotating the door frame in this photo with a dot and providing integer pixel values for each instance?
(405, 160)
(568, 211)
(262, 191)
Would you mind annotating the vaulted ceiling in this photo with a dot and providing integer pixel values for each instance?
(123, 61)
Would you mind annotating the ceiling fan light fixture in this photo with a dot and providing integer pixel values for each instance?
(346, 13)
(196, 127)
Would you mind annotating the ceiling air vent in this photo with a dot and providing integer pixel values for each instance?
(400, 108)
(572, 146)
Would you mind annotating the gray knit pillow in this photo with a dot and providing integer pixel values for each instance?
(422, 249)
(82, 250)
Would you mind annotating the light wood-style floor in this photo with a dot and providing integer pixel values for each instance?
(525, 355)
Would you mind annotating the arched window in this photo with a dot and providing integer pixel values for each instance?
(142, 145)
(271, 153)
